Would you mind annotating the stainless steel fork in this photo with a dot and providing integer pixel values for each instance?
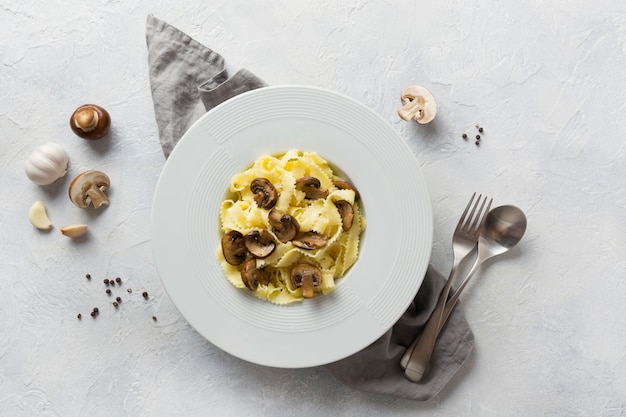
(464, 242)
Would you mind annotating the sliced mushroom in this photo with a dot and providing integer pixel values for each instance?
(90, 121)
(346, 211)
(419, 104)
(344, 185)
(260, 243)
(233, 247)
(284, 226)
(88, 188)
(311, 187)
(309, 240)
(306, 276)
(253, 276)
(265, 193)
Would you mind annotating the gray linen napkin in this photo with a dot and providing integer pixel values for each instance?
(187, 79)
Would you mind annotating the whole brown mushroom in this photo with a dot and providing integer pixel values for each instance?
(90, 121)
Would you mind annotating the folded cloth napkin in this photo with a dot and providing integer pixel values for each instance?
(187, 79)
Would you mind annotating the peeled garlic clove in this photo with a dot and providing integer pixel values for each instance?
(38, 216)
(75, 230)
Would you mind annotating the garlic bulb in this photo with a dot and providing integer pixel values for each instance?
(46, 164)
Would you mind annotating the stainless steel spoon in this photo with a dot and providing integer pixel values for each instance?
(503, 229)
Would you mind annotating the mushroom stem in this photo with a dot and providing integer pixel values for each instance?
(308, 286)
(96, 196)
(86, 119)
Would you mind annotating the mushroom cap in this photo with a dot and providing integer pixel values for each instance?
(87, 188)
(306, 276)
(284, 226)
(260, 243)
(90, 121)
(346, 211)
(233, 247)
(311, 187)
(309, 240)
(419, 103)
(251, 276)
(265, 193)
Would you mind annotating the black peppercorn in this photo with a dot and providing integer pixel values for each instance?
(477, 142)
(118, 299)
(115, 304)
(88, 276)
(145, 294)
(106, 281)
(93, 314)
(80, 316)
(480, 129)
(118, 280)
(464, 135)
(477, 137)
(108, 291)
(95, 310)
(154, 318)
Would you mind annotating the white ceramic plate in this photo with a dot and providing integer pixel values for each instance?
(395, 249)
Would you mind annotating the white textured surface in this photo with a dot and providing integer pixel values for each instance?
(546, 81)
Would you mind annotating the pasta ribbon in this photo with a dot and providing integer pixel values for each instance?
(240, 212)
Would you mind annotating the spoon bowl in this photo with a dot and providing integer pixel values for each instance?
(503, 229)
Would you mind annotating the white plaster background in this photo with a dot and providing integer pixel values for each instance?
(545, 79)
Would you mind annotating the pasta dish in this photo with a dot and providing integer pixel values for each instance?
(291, 227)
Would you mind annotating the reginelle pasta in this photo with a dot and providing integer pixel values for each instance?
(291, 227)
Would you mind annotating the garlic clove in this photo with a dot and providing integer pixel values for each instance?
(75, 230)
(38, 216)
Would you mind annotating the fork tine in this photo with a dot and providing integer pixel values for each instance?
(482, 222)
(459, 225)
(480, 218)
(473, 229)
(467, 226)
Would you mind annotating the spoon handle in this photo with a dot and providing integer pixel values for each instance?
(423, 349)
(436, 312)
(454, 298)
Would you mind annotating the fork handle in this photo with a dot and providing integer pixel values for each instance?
(419, 355)
(404, 361)
(423, 349)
